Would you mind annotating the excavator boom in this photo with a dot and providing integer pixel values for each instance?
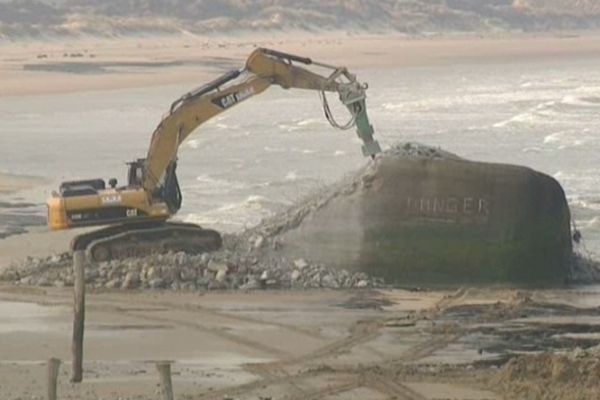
(263, 68)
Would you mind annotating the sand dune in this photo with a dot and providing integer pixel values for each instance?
(111, 18)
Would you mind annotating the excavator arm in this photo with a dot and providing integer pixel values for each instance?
(263, 68)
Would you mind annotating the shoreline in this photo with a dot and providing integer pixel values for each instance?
(12, 183)
(91, 64)
(16, 225)
(37, 242)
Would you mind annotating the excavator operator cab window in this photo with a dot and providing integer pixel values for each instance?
(136, 174)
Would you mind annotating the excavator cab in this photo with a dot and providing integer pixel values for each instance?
(135, 174)
(82, 187)
(168, 191)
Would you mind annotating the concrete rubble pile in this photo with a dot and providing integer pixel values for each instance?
(417, 150)
(217, 271)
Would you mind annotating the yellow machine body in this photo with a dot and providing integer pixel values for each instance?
(104, 207)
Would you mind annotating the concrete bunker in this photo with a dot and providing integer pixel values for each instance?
(418, 215)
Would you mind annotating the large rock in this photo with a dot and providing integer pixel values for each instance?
(433, 218)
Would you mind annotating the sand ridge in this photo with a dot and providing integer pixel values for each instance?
(84, 64)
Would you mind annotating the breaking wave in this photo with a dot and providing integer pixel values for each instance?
(291, 176)
(565, 139)
(550, 111)
(526, 117)
(270, 149)
(236, 215)
(593, 223)
(311, 122)
(541, 112)
(591, 101)
(588, 204)
(209, 185)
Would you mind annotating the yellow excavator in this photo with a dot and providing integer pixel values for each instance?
(137, 214)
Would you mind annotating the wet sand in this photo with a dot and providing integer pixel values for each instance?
(37, 241)
(25, 235)
(13, 183)
(15, 220)
(295, 345)
(42, 67)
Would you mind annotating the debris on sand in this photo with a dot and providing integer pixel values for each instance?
(571, 375)
(180, 271)
(418, 150)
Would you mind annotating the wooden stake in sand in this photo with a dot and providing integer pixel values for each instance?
(166, 385)
(78, 315)
(53, 367)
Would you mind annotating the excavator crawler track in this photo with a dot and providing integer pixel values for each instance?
(140, 240)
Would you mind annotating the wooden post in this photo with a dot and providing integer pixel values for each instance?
(78, 315)
(166, 385)
(53, 367)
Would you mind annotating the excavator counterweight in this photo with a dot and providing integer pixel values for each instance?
(137, 213)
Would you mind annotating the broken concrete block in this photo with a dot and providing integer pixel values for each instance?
(215, 266)
(301, 263)
(295, 275)
(221, 275)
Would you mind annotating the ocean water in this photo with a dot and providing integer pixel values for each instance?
(270, 151)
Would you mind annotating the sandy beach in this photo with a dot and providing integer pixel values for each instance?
(331, 345)
(25, 240)
(43, 67)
